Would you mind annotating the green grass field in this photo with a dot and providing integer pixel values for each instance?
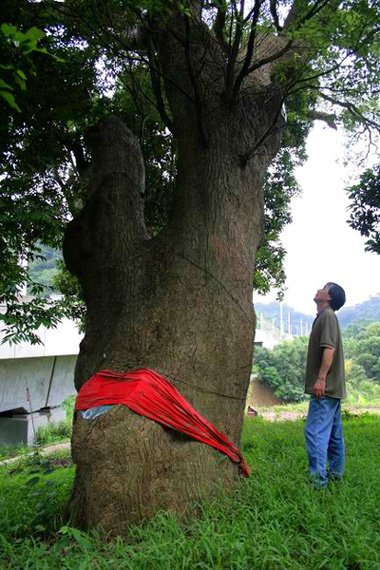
(273, 520)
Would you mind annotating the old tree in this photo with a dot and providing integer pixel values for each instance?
(233, 85)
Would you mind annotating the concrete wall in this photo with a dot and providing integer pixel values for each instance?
(49, 381)
(35, 380)
(23, 427)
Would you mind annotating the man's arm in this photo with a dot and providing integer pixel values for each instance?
(320, 384)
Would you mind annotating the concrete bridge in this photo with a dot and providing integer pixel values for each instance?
(35, 380)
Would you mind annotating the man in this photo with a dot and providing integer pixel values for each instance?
(326, 385)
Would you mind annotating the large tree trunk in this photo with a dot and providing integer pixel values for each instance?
(180, 303)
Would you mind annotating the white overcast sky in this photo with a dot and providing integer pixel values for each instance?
(321, 245)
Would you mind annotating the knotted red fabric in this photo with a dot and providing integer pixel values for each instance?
(149, 394)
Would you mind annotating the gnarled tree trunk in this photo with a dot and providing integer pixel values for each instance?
(179, 303)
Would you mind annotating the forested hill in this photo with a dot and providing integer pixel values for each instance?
(366, 311)
(43, 270)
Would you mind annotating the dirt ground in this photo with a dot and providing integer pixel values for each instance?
(284, 415)
(260, 395)
(262, 399)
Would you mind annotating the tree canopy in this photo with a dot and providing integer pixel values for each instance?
(365, 208)
(161, 144)
(326, 68)
(283, 368)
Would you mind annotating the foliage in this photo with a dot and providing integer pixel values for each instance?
(97, 70)
(7, 451)
(53, 433)
(272, 520)
(34, 203)
(355, 374)
(34, 493)
(44, 267)
(280, 187)
(362, 347)
(282, 369)
(71, 303)
(365, 208)
(58, 432)
(18, 49)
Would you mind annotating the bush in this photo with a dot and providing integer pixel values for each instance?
(53, 433)
(283, 368)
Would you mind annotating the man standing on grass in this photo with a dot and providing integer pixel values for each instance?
(326, 385)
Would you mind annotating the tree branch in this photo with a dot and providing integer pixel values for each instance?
(328, 118)
(157, 89)
(197, 98)
(219, 26)
(234, 50)
(273, 11)
(250, 47)
(244, 158)
(271, 58)
(293, 15)
(353, 110)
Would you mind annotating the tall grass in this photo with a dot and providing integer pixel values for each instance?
(60, 431)
(273, 520)
(54, 432)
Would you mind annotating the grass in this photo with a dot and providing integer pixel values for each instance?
(299, 409)
(273, 520)
(13, 450)
(60, 431)
(46, 435)
(33, 492)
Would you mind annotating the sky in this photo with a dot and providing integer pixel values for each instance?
(320, 245)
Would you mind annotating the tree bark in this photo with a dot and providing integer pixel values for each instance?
(179, 303)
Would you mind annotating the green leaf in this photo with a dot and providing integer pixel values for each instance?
(4, 85)
(20, 82)
(21, 74)
(35, 49)
(8, 30)
(34, 34)
(9, 98)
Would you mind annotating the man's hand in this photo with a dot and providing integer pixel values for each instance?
(320, 386)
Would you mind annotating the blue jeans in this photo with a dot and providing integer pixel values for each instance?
(324, 440)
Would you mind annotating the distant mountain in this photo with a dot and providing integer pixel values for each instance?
(366, 311)
(43, 270)
(293, 321)
(300, 323)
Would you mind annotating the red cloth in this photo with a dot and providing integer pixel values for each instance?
(149, 394)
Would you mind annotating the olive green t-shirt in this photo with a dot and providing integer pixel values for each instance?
(326, 333)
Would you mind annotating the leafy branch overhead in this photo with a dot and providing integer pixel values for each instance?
(287, 63)
(16, 65)
(365, 208)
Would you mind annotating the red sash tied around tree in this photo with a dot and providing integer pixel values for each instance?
(149, 394)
